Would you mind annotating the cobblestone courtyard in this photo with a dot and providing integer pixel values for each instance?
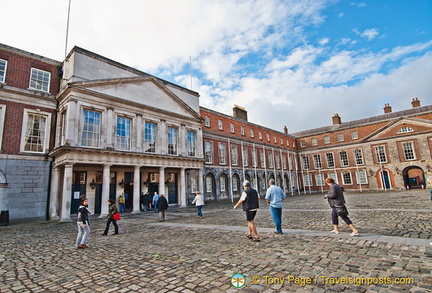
(186, 254)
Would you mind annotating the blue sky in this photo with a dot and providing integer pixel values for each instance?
(288, 62)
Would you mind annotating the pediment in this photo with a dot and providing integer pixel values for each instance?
(401, 127)
(146, 91)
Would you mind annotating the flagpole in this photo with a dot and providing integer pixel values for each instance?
(67, 28)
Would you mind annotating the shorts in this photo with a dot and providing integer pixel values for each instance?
(250, 215)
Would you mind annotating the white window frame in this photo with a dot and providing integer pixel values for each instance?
(147, 142)
(361, 179)
(270, 160)
(222, 153)
(333, 175)
(314, 142)
(37, 83)
(277, 159)
(172, 141)
(405, 129)
(2, 119)
(206, 121)
(307, 180)
(358, 157)
(262, 159)
(234, 155)
(47, 130)
(245, 156)
(191, 143)
(254, 158)
(346, 177)
(340, 137)
(251, 132)
(344, 161)
(98, 134)
(317, 161)
(354, 135)
(332, 160)
(326, 139)
(220, 124)
(223, 183)
(268, 137)
(3, 73)
(119, 138)
(380, 151)
(242, 130)
(232, 129)
(235, 183)
(319, 178)
(302, 143)
(209, 184)
(208, 153)
(305, 162)
(411, 150)
(260, 135)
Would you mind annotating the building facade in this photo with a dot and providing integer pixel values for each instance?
(236, 150)
(120, 130)
(389, 151)
(28, 109)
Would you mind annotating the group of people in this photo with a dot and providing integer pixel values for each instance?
(249, 200)
(275, 196)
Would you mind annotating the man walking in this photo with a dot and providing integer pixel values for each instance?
(274, 198)
(250, 201)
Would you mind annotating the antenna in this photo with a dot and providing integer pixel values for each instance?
(67, 28)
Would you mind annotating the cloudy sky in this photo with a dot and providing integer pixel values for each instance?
(288, 62)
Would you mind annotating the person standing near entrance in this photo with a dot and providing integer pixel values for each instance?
(274, 198)
(155, 201)
(250, 201)
(122, 203)
(112, 211)
(162, 206)
(83, 223)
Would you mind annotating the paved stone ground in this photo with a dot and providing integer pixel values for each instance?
(185, 254)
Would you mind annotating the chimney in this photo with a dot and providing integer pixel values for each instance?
(336, 119)
(387, 108)
(285, 130)
(240, 113)
(415, 103)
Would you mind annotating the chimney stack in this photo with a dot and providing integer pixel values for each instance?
(387, 108)
(240, 112)
(415, 103)
(336, 119)
(285, 130)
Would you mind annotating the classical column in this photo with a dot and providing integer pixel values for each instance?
(162, 140)
(71, 113)
(162, 182)
(136, 190)
(105, 191)
(66, 194)
(109, 123)
(183, 197)
(54, 196)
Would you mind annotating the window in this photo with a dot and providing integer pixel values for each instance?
(314, 141)
(270, 160)
(317, 161)
(354, 135)
(381, 154)
(172, 141)
(220, 124)
(208, 152)
(275, 139)
(332, 175)
(330, 160)
(281, 141)
(207, 121)
(194, 183)
(245, 154)
(344, 158)
(268, 137)
(361, 177)
(326, 139)
(260, 135)
(150, 133)
(302, 143)
(222, 153)
(251, 133)
(340, 137)
(39, 80)
(209, 184)
(408, 151)
(91, 128)
(358, 155)
(223, 183)
(254, 158)
(320, 179)
(346, 178)
(123, 133)
(232, 127)
(284, 161)
(36, 132)
(234, 155)
(2, 118)
(242, 130)
(262, 159)
(405, 129)
(308, 180)
(191, 143)
(235, 183)
(277, 159)
(305, 161)
(3, 65)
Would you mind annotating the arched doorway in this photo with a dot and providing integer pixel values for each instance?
(210, 187)
(385, 179)
(413, 177)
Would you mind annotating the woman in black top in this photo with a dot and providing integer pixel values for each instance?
(83, 224)
(112, 211)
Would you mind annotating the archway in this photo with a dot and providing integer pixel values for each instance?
(413, 177)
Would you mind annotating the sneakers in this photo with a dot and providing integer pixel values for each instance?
(83, 246)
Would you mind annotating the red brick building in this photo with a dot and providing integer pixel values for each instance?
(28, 86)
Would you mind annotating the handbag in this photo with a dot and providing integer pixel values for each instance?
(342, 211)
(116, 216)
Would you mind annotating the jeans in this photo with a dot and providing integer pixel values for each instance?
(108, 225)
(155, 206)
(122, 207)
(199, 211)
(335, 220)
(277, 218)
(83, 233)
